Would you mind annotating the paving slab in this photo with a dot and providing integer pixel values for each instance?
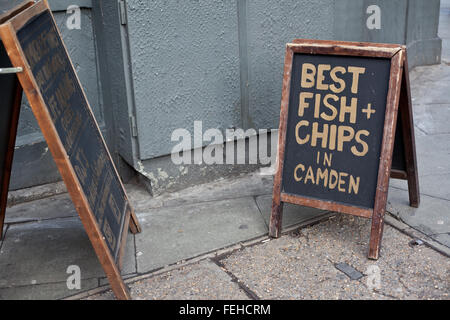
(53, 291)
(200, 281)
(432, 217)
(430, 83)
(171, 234)
(301, 265)
(428, 185)
(443, 238)
(40, 253)
(421, 74)
(292, 214)
(433, 154)
(59, 206)
(432, 91)
(129, 257)
(433, 118)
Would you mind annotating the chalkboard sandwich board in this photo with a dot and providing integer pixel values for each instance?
(338, 129)
(33, 42)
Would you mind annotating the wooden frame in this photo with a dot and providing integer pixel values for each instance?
(397, 55)
(8, 33)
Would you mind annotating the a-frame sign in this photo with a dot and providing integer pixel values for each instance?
(31, 46)
(340, 138)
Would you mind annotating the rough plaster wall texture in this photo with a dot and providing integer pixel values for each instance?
(185, 64)
(272, 24)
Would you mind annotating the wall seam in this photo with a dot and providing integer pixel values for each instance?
(242, 7)
(405, 40)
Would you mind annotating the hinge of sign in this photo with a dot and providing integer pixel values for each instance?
(122, 12)
(133, 126)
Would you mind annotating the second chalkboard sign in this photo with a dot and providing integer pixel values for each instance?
(337, 129)
(49, 80)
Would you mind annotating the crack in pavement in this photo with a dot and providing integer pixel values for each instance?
(249, 292)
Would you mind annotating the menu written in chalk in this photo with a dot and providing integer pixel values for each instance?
(76, 126)
(335, 128)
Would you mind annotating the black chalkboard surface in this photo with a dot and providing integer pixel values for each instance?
(339, 153)
(66, 120)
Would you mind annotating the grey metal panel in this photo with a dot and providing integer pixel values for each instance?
(185, 61)
(118, 97)
(272, 24)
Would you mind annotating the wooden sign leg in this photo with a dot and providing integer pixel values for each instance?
(10, 155)
(387, 148)
(376, 231)
(276, 215)
(406, 117)
(135, 227)
(276, 218)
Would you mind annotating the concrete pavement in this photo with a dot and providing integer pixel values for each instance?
(302, 264)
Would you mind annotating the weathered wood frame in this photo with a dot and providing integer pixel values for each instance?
(8, 32)
(397, 55)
